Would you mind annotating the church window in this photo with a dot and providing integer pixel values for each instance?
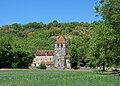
(58, 65)
(46, 53)
(61, 45)
(57, 45)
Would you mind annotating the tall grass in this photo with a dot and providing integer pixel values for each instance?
(56, 78)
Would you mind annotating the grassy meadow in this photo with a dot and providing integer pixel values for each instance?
(56, 78)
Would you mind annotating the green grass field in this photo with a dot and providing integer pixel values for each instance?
(56, 78)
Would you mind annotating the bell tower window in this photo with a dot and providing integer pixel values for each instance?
(61, 45)
(58, 45)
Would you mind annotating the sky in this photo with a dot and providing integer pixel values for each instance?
(46, 11)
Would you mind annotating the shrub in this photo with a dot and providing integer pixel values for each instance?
(14, 65)
(42, 66)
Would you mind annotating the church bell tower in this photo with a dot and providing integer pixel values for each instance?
(60, 51)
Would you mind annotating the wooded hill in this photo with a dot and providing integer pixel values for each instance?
(37, 36)
(92, 44)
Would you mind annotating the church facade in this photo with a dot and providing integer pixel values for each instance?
(58, 57)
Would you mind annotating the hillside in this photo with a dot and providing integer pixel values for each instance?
(37, 36)
(89, 44)
(33, 36)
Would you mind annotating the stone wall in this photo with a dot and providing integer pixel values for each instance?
(38, 59)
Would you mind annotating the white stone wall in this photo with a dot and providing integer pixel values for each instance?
(60, 51)
(68, 63)
(38, 59)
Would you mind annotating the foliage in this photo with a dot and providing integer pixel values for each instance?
(6, 54)
(91, 44)
(42, 66)
(26, 39)
(74, 58)
(14, 65)
(98, 48)
(108, 41)
(110, 11)
(23, 59)
(11, 55)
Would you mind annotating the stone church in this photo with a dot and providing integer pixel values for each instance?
(58, 57)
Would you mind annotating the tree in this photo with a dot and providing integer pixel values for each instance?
(34, 25)
(22, 58)
(73, 43)
(82, 56)
(6, 54)
(16, 26)
(101, 48)
(110, 11)
(74, 57)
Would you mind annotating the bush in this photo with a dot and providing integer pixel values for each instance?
(14, 65)
(42, 66)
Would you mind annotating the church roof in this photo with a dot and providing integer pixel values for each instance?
(60, 39)
(67, 56)
(45, 53)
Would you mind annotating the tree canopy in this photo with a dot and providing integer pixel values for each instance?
(92, 44)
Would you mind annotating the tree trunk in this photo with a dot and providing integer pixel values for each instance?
(103, 66)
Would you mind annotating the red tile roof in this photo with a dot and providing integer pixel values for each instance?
(67, 56)
(45, 53)
(47, 63)
(60, 39)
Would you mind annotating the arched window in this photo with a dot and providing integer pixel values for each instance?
(58, 65)
(57, 45)
(61, 45)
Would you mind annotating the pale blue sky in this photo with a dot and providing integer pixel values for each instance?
(25, 11)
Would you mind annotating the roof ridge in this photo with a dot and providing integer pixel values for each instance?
(60, 39)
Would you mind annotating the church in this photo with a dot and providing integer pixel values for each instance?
(58, 58)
